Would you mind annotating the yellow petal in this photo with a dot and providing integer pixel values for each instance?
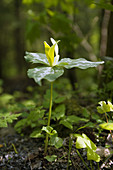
(47, 48)
(51, 53)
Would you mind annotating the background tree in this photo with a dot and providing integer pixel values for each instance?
(19, 40)
(3, 38)
(65, 20)
(106, 80)
(27, 23)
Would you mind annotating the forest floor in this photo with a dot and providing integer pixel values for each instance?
(24, 153)
(20, 152)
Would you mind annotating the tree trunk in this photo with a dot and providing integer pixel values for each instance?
(106, 81)
(3, 44)
(19, 37)
(104, 30)
(109, 50)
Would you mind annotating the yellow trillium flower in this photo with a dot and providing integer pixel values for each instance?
(49, 51)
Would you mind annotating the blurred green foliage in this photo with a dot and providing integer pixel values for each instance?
(74, 22)
(32, 109)
(26, 24)
(40, 19)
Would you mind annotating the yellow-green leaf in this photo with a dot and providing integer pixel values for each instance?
(107, 126)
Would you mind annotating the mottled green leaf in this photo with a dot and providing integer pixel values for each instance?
(48, 73)
(80, 63)
(36, 58)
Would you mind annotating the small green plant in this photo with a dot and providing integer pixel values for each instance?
(35, 120)
(106, 108)
(51, 158)
(70, 148)
(7, 114)
(50, 68)
(6, 118)
(84, 142)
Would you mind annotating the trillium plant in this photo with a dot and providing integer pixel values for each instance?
(50, 68)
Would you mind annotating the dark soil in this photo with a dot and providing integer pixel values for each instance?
(23, 153)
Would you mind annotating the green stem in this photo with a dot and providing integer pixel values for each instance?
(107, 122)
(98, 165)
(70, 147)
(14, 148)
(91, 164)
(106, 117)
(92, 167)
(82, 159)
(49, 117)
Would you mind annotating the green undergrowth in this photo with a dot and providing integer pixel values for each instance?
(28, 112)
(32, 110)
